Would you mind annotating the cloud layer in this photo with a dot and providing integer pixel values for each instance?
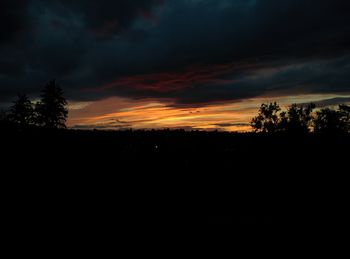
(190, 52)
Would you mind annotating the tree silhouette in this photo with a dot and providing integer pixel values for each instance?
(330, 121)
(22, 111)
(345, 111)
(51, 110)
(268, 119)
(297, 120)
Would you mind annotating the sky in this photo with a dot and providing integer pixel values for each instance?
(191, 64)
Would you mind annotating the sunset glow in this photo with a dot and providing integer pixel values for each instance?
(189, 64)
(120, 113)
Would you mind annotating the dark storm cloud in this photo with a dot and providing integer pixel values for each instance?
(13, 18)
(105, 18)
(50, 39)
(192, 51)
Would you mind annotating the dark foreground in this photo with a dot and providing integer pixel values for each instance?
(79, 178)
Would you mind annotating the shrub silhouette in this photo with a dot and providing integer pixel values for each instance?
(51, 110)
(22, 111)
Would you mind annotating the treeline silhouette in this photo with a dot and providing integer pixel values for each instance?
(301, 120)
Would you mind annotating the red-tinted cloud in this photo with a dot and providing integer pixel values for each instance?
(174, 81)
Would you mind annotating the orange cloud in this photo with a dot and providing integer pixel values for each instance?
(146, 114)
(117, 113)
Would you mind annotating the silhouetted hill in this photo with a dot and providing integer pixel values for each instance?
(138, 177)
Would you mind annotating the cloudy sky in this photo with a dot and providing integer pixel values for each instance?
(202, 64)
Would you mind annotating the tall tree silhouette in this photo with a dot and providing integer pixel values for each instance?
(268, 119)
(51, 110)
(22, 111)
